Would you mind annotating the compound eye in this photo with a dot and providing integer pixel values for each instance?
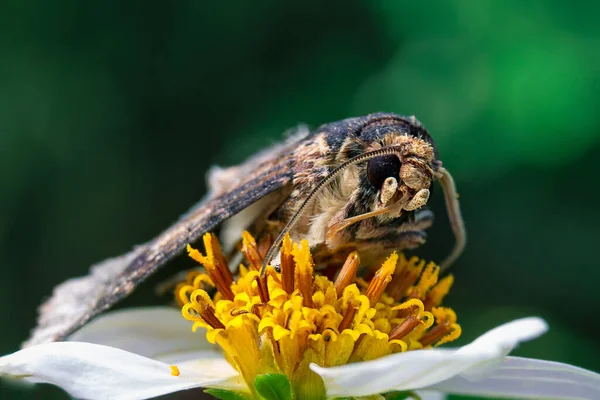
(383, 167)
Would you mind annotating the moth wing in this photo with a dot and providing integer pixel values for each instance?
(76, 301)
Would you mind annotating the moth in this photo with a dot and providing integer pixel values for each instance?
(356, 184)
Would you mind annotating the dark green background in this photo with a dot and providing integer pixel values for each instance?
(111, 114)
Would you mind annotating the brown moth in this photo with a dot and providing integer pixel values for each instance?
(356, 184)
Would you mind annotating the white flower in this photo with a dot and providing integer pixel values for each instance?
(129, 355)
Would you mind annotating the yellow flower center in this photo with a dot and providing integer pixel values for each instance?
(284, 321)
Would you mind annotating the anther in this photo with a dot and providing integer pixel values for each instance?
(287, 265)
(438, 292)
(405, 327)
(348, 317)
(263, 290)
(220, 284)
(264, 244)
(428, 279)
(208, 315)
(446, 328)
(304, 272)
(405, 278)
(256, 309)
(347, 273)
(220, 261)
(381, 279)
(214, 268)
(250, 250)
(435, 334)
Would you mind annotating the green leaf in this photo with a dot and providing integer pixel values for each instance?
(227, 394)
(402, 395)
(273, 387)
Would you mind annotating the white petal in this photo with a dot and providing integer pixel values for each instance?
(90, 371)
(156, 332)
(530, 378)
(502, 340)
(216, 367)
(403, 371)
(422, 368)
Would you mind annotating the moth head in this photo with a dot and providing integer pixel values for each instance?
(403, 178)
(383, 173)
(399, 161)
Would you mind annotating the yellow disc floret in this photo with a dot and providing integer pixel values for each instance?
(284, 321)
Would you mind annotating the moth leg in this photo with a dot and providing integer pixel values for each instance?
(420, 221)
(406, 240)
(375, 251)
(456, 220)
(372, 251)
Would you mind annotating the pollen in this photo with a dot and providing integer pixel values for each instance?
(174, 370)
(284, 321)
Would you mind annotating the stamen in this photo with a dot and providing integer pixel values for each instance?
(405, 277)
(415, 315)
(256, 309)
(348, 317)
(434, 334)
(429, 277)
(455, 332)
(263, 290)
(221, 262)
(381, 279)
(412, 306)
(200, 306)
(304, 272)
(347, 273)
(446, 328)
(264, 244)
(250, 250)
(405, 327)
(436, 295)
(208, 315)
(287, 265)
(214, 268)
(174, 370)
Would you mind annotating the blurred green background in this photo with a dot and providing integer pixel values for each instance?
(111, 114)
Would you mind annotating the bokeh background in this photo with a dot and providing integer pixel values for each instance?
(110, 114)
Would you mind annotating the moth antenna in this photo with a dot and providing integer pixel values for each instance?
(455, 216)
(384, 151)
